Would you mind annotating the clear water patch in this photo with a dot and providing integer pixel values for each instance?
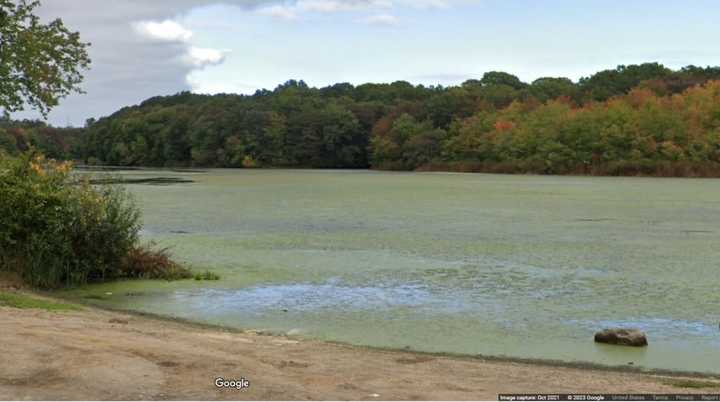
(331, 296)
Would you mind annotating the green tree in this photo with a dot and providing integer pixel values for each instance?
(501, 78)
(39, 63)
(549, 88)
(608, 83)
(409, 144)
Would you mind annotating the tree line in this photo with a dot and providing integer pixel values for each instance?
(638, 119)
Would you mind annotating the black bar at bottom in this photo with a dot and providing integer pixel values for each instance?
(608, 397)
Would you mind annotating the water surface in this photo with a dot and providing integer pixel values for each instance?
(522, 266)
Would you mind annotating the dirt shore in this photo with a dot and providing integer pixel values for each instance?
(96, 354)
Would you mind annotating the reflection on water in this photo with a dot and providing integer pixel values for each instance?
(498, 265)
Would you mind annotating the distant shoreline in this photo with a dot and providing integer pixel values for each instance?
(429, 169)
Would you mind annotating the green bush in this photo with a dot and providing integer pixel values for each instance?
(57, 230)
(207, 276)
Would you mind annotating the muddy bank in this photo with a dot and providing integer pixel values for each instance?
(96, 354)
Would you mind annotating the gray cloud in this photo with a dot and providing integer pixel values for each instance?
(126, 67)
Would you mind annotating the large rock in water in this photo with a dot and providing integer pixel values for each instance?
(622, 336)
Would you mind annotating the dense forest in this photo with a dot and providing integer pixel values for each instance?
(638, 119)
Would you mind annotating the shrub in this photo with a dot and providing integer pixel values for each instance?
(57, 230)
(144, 262)
(207, 276)
(248, 162)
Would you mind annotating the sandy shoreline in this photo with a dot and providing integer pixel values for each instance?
(99, 354)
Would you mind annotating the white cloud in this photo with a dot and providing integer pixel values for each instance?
(172, 31)
(278, 11)
(381, 19)
(295, 9)
(322, 6)
(168, 30)
(426, 3)
(291, 11)
(195, 58)
(200, 57)
(329, 6)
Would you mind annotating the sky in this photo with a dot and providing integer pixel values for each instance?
(145, 48)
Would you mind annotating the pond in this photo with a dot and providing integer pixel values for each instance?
(518, 266)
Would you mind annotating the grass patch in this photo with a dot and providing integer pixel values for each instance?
(206, 276)
(694, 384)
(18, 300)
